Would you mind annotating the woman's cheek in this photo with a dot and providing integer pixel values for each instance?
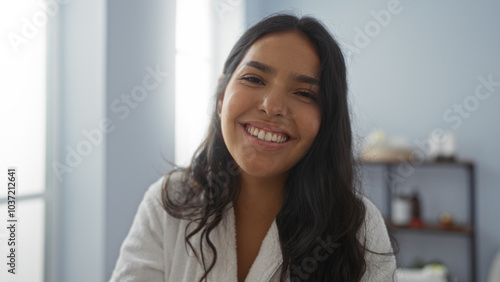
(313, 123)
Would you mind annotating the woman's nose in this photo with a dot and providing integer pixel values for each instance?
(274, 103)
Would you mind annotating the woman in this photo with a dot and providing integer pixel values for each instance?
(270, 194)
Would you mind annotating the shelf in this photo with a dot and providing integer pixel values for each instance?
(432, 228)
(425, 163)
(468, 229)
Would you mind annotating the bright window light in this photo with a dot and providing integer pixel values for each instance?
(23, 132)
(23, 84)
(192, 76)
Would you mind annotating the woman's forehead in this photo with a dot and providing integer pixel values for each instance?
(290, 49)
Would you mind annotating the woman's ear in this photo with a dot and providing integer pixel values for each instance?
(219, 104)
(221, 98)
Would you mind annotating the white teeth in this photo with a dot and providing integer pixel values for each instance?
(266, 136)
(261, 135)
(269, 136)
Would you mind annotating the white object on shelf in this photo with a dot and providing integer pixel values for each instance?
(442, 144)
(430, 273)
(495, 269)
(401, 211)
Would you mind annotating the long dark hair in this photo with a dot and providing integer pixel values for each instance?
(320, 201)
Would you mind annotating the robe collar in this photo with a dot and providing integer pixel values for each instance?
(267, 264)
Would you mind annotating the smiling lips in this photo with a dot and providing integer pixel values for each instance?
(268, 136)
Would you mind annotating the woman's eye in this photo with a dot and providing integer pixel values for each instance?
(306, 94)
(252, 79)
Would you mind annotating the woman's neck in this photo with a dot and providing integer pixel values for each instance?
(260, 197)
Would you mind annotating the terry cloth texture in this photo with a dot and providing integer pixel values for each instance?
(155, 249)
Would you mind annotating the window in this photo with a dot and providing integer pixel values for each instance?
(192, 76)
(205, 33)
(22, 134)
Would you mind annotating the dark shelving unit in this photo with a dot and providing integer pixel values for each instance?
(461, 230)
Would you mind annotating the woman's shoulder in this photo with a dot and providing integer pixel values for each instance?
(154, 215)
(373, 217)
(157, 186)
(169, 183)
(152, 206)
(142, 256)
(380, 259)
(374, 229)
(173, 192)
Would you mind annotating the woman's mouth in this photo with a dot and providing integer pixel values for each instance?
(268, 136)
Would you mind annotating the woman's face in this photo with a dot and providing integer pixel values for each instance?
(269, 111)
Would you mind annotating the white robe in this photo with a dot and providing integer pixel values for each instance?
(155, 250)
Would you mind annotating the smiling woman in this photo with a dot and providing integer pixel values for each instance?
(265, 95)
(270, 194)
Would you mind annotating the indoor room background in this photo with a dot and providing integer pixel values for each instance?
(129, 90)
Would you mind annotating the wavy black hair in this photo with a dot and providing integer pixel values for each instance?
(320, 198)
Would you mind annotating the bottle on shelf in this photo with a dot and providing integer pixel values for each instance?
(416, 219)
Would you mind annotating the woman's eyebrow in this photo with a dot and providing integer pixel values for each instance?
(304, 79)
(261, 66)
(271, 70)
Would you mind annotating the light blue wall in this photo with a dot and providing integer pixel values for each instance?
(427, 59)
(80, 61)
(140, 37)
(106, 50)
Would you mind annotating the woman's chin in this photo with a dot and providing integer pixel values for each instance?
(262, 171)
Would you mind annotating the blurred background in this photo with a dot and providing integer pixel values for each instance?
(98, 97)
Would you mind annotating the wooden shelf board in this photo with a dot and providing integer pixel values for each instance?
(432, 228)
(425, 163)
